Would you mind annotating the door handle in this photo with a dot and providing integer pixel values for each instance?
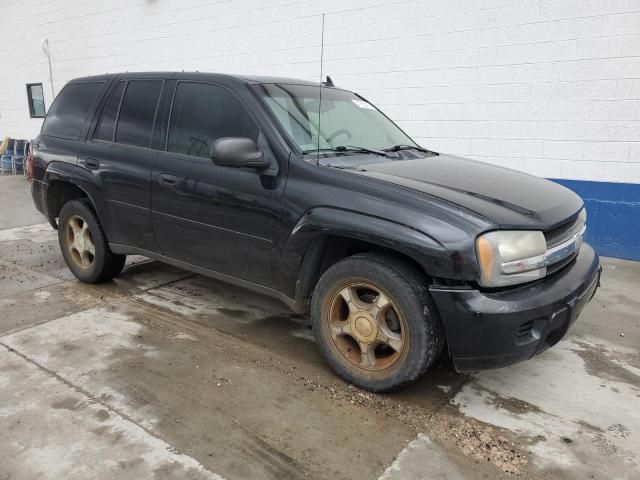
(169, 180)
(91, 163)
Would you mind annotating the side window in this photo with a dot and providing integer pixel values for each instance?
(203, 113)
(68, 112)
(137, 112)
(107, 124)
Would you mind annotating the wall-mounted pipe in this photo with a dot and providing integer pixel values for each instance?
(45, 49)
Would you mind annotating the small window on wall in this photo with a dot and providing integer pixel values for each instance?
(35, 95)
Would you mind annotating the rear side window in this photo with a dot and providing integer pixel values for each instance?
(68, 112)
(137, 112)
(107, 124)
(203, 113)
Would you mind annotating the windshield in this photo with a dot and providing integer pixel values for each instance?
(343, 119)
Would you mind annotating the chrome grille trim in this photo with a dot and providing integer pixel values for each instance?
(566, 248)
(551, 256)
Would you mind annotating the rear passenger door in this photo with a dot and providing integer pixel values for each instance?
(120, 157)
(220, 218)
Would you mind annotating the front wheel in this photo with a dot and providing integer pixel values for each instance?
(84, 245)
(375, 322)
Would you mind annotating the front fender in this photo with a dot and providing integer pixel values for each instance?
(327, 221)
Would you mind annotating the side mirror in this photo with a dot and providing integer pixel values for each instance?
(238, 152)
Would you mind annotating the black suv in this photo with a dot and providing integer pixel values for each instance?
(309, 193)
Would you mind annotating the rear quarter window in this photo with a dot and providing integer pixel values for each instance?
(70, 109)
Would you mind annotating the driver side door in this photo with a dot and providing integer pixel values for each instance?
(219, 218)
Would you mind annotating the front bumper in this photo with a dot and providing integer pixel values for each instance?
(490, 330)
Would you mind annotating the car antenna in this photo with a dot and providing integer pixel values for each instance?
(320, 89)
(328, 82)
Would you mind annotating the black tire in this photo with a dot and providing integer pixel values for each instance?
(103, 265)
(406, 287)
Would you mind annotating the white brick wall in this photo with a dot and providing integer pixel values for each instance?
(551, 87)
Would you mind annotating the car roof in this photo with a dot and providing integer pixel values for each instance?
(252, 79)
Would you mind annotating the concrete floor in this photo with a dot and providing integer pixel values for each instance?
(166, 374)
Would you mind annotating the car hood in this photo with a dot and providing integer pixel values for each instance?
(509, 198)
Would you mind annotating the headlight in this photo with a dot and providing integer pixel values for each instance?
(511, 257)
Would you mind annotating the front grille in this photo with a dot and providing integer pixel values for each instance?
(564, 241)
(564, 231)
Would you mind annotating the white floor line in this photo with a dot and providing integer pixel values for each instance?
(38, 233)
(421, 460)
(79, 424)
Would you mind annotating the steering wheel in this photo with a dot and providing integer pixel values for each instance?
(337, 133)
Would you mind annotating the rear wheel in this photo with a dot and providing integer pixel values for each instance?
(375, 322)
(84, 245)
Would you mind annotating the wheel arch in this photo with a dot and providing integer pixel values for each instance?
(324, 236)
(60, 190)
(63, 183)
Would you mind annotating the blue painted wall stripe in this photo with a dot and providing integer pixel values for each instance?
(613, 216)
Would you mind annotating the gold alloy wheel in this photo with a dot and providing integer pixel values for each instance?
(366, 326)
(80, 242)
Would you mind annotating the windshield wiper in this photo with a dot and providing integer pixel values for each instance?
(352, 148)
(397, 148)
(348, 148)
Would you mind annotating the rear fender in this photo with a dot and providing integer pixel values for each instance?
(68, 173)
